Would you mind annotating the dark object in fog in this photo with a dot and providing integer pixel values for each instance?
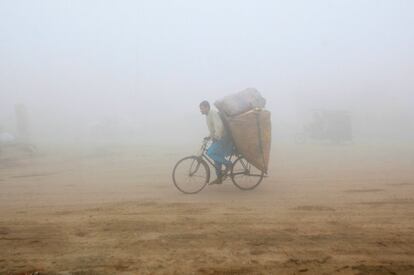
(22, 120)
(334, 126)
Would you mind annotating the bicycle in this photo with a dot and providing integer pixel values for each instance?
(192, 174)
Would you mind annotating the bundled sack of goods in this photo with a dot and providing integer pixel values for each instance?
(249, 125)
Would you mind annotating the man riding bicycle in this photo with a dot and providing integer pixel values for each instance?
(222, 145)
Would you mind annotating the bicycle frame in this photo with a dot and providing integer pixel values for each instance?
(203, 155)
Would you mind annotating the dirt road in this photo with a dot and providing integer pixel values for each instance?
(322, 210)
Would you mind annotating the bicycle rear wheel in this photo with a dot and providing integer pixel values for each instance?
(245, 176)
(191, 175)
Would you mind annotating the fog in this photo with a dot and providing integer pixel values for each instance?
(145, 65)
(99, 107)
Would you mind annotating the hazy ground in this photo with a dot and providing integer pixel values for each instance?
(323, 210)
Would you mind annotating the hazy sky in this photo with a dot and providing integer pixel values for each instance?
(154, 61)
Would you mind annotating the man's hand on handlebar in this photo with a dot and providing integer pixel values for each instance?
(213, 139)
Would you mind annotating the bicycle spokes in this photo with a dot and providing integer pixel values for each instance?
(246, 176)
(193, 170)
(190, 175)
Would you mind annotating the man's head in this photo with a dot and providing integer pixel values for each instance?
(205, 107)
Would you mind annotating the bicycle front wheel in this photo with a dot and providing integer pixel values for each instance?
(245, 176)
(191, 175)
